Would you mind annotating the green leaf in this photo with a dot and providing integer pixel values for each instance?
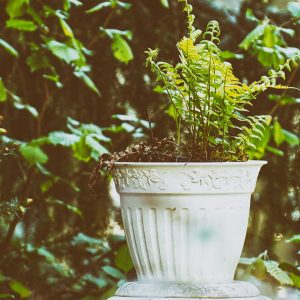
(121, 49)
(230, 55)
(269, 38)
(6, 296)
(291, 138)
(114, 32)
(277, 273)
(284, 99)
(165, 3)
(67, 3)
(259, 270)
(3, 94)
(72, 208)
(63, 138)
(294, 239)
(296, 280)
(113, 272)
(123, 259)
(111, 3)
(18, 104)
(294, 9)
(99, 282)
(81, 150)
(66, 28)
(20, 289)
(33, 154)
(275, 150)
(94, 145)
(54, 78)
(250, 16)
(256, 33)
(15, 8)
(10, 49)
(122, 4)
(62, 51)
(99, 7)
(23, 25)
(109, 293)
(46, 254)
(278, 134)
(82, 239)
(37, 61)
(88, 81)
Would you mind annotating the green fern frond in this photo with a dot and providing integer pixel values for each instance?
(213, 32)
(208, 100)
(186, 45)
(254, 131)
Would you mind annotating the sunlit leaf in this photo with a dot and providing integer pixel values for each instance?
(88, 81)
(253, 35)
(6, 296)
(23, 25)
(294, 239)
(18, 104)
(274, 270)
(99, 6)
(230, 55)
(111, 4)
(113, 272)
(278, 133)
(15, 8)
(291, 138)
(62, 51)
(83, 239)
(33, 154)
(20, 289)
(10, 49)
(250, 15)
(3, 94)
(114, 32)
(66, 28)
(294, 9)
(81, 150)
(275, 150)
(121, 49)
(63, 138)
(165, 3)
(99, 282)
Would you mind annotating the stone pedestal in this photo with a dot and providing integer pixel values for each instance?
(236, 290)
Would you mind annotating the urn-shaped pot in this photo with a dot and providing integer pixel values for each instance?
(186, 222)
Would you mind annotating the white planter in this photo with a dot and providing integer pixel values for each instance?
(186, 222)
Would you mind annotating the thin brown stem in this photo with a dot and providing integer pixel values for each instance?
(43, 109)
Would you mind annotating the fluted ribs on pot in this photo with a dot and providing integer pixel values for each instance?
(195, 235)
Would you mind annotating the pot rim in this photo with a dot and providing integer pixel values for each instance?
(178, 164)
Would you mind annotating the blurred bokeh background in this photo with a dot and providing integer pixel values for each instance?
(73, 85)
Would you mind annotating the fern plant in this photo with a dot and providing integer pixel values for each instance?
(210, 103)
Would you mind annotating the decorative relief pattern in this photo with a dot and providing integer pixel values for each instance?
(206, 179)
(218, 179)
(136, 178)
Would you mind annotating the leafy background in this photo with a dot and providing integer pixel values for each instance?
(74, 85)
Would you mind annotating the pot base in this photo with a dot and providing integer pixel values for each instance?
(236, 290)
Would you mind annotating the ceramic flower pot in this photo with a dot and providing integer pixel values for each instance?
(186, 222)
